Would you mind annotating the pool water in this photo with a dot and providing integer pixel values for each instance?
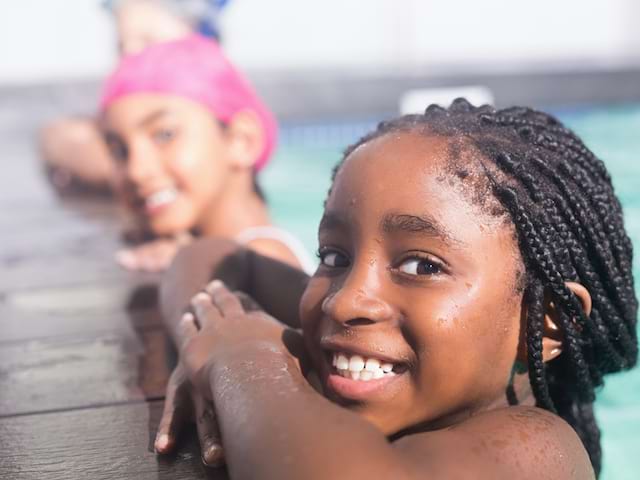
(298, 179)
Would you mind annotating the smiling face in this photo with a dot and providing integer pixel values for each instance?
(413, 316)
(172, 159)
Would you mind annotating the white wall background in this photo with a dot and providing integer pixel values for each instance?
(44, 40)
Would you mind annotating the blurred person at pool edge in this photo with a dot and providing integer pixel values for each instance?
(75, 155)
(188, 136)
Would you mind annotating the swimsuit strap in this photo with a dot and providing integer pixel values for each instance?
(288, 240)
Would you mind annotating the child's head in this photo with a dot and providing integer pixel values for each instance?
(463, 247)
(141, 23)
(186, 130)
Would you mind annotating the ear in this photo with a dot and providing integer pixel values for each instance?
(552, 336)
(245, 139)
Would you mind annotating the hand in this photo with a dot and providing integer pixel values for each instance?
(222, 325)
(182, 404)
(153, 256)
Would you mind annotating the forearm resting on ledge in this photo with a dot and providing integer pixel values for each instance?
(276, 286)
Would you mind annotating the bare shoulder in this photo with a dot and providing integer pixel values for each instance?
(514, 442)
(274, 249)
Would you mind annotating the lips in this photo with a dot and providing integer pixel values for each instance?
(160, 199)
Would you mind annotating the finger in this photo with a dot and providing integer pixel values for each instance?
(174, 414)
(127, 259)
(222, 298)
(149, 262)
(187, 328)
(165, 255)
(208, 432)
(156, 257)
(204, 310)
(248, 303)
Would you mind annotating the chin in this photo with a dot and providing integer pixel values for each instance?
(166, 225)
(383, 422)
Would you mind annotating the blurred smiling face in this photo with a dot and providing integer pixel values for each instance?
(171, 159)
(412, 317)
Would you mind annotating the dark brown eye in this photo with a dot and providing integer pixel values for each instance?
(333, 259)
(419, 266)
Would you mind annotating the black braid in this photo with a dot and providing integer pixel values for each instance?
(569, 224)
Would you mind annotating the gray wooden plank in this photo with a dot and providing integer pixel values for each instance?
(113, 442)
(80, 309)
(83, 370)
(55, 271)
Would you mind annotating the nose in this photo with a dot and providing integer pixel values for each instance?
(141, 165)
(359, 300)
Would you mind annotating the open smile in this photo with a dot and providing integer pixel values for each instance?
(358, 377)
(159, 200)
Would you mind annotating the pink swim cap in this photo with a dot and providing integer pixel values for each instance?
(195, 68)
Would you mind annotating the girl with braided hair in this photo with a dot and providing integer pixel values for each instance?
(474, 287)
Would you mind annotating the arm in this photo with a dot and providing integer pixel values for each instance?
(275, 426)
(276, 286)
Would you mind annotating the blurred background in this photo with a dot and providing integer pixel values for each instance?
(332, 69)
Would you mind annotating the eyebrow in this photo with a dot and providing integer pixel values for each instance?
(420, 224)
(153, 116)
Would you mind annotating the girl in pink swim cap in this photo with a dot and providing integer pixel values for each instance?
(188, 135)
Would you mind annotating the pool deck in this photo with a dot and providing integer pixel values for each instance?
(83, 356)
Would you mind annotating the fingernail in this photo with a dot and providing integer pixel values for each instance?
(162, 442)
(201, 297)
(216, 284)
(188, 317)
(212, 454)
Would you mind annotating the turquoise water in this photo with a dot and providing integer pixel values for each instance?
(297, 181)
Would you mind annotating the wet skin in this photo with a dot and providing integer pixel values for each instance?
(164, 142)
(415, 274)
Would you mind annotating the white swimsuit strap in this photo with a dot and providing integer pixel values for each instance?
(288, 240)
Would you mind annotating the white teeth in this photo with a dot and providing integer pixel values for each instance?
(372, 364)
(342, 363)
(386, 367)
(359, 368)
(161, 197)
(356, 363)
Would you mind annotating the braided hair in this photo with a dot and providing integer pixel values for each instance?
(569, 227)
